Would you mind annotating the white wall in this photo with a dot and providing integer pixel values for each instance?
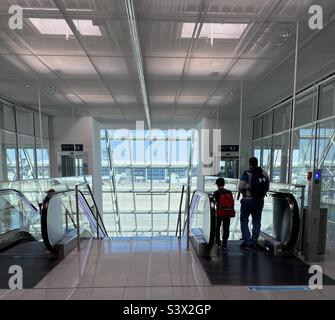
(83, 130)
(230, 131)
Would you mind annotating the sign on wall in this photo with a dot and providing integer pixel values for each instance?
(72, 147)
(229, 148)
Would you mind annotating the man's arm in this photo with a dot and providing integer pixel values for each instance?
(243, 184)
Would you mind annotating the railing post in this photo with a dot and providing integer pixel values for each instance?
(78, 223)
(188, 219)
(179, 213)
(67, 221)
(97, 218)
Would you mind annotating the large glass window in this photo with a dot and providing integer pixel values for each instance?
(42, 158)
(45, 125)
(25, 122)
(8, 164)
(257, 128)
(303, 154)
(304, 110)
(327, 101)
(27, 157)
(150, 169)
(7, 118)
(21, 154)
(326, 161)
(267, 124)
(282, 118)
(257, 147)
(266, 154)
(280, 161)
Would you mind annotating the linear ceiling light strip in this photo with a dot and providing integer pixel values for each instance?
(138, 56)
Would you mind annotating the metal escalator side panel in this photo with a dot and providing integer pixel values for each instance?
(12, 238)
(285, 226)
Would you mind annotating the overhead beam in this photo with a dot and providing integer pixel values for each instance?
(195, 35)
(135, 39)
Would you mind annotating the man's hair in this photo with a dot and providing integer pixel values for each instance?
(253, 162)
(220, 182)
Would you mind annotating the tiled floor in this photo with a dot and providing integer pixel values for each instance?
(142, 269)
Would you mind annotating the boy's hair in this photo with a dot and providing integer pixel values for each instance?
(220, 182)
(253, 162)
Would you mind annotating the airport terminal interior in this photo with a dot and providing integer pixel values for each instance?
(118, 116)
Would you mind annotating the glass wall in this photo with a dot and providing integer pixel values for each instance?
(313, 143)
(25, 146)
(150, 170)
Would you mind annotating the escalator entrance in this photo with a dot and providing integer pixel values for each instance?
(252, 267)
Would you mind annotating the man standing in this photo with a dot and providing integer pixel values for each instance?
(254, 184)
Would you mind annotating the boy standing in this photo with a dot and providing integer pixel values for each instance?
(224, 211)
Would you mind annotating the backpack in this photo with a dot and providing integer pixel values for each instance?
(258, 183)
(225, 206)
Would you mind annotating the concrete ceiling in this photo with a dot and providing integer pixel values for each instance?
(186, 79)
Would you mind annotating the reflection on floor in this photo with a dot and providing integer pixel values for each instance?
(141, 269)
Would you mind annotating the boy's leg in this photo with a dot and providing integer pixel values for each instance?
(244, 218)
(218, 230)
(225, 237)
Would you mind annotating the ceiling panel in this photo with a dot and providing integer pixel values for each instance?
(71, 67)
(164, 67)
(207, 68)
(261, 58)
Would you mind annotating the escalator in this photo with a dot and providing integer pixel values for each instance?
(37, 240)
(280, 221)
(273, 263)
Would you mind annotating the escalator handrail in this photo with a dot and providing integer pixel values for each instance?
(96, 206)
(22, 196)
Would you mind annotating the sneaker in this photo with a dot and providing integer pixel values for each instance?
(224, 247)
(218, 244)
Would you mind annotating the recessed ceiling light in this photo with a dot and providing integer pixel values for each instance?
(28, 85)
(215, 30)
(60, 27)
(286, 34)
